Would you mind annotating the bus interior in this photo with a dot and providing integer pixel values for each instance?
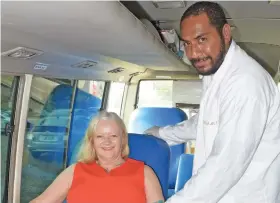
(64, 61)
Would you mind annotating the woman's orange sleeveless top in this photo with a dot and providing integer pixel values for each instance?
(92, 184)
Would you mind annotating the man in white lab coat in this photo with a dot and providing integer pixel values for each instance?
(237, 129)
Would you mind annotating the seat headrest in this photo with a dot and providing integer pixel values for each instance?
(143, 118)
(60, 98)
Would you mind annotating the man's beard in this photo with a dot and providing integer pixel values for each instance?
(217, 64)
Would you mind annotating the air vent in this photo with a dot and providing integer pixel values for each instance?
(22, 53)
(116, 70)
(169, 4)
(85, 64)
(134, 74)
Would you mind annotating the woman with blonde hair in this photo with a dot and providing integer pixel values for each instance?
(104, 173)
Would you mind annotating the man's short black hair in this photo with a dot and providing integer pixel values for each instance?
(213, 10)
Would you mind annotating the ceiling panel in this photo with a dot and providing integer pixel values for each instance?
(103, 31)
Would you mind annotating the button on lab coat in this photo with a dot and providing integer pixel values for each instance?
(237, 133)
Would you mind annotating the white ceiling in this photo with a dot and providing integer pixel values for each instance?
(69, 32)
(107, 32)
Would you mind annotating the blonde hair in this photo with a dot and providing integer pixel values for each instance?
(87, 152)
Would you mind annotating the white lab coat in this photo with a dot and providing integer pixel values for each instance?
(237, 134)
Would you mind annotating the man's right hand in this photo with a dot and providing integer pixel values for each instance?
(153, 131)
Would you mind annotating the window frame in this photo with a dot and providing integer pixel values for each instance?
(123, 97)
(138, 89)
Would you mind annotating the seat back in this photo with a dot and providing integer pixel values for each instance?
(54, 119)
(184, 171)
(143, 118)
(153, 151)
(86, 106)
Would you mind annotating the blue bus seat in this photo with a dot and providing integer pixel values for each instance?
(184, 171)
(143, 118)
(153, 151)
(86, 106)
(54, 121)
